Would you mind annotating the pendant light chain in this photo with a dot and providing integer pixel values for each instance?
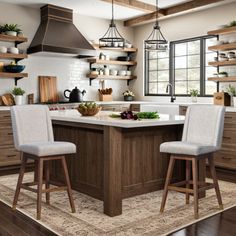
(156, 41)
(112, 37)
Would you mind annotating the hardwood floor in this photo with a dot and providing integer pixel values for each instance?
(16, 223)
(223, 224)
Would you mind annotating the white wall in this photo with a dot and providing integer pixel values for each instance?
(70, 72)
(176, 28)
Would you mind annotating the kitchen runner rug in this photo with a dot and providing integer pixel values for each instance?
(140, 214)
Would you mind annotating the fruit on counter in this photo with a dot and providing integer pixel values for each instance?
(88, 105)
(129, 115)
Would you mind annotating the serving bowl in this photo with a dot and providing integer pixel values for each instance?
(14, 68)
(89, 111)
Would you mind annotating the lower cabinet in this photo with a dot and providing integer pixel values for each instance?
(8, 154)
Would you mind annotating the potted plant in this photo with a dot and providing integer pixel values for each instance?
(11, 29)
(18, 93)
(128, 95)
(193, 93)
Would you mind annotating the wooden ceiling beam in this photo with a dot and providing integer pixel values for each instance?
(170, 11)
(134, 4)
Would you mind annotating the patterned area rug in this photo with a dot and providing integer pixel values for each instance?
(140, 214)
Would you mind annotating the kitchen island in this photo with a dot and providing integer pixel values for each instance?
(116, 158)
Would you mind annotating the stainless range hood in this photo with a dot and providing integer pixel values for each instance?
(58, 34)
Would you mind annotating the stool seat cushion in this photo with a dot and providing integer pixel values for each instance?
(186, 148)
(48, 148)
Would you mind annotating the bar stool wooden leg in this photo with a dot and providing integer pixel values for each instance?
(40, 185)
(167, 182)
(64, 165)
(195, 186)
(215, 181)
(47, 179)
(188, 168)
(20, 180)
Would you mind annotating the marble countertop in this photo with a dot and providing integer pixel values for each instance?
(102, 118)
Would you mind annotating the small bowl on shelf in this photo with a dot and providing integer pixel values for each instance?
(14, 68)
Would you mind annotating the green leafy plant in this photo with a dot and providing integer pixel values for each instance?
(193, 92)
(18, 91)
(2, 29)
(231, 90)
(11, 27)
(232, 23)
(223, 73)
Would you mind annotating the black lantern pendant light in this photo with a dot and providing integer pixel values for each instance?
(112, 38)
(156, 41)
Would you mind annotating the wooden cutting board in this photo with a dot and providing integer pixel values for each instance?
(48, 89)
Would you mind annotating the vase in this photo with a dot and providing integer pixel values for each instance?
(11, 33)
(18, 99)
(128, 98)
(194, 98)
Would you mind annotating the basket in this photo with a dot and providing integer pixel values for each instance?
(89, 112)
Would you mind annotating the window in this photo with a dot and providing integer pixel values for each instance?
(185, 66)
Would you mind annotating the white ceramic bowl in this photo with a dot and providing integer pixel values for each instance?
(122, 72)
(128, 73)
(113, 72)
(3, 49)
(13, 50)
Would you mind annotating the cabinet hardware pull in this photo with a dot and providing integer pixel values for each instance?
(11, 155)
(229, 117)
(227, 158)
(9, 133)
(227, 137)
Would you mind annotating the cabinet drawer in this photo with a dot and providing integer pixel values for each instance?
(229, 136)
(5, 119)
(6, 136)
(9, 156)
(225, 160)
(230, 120)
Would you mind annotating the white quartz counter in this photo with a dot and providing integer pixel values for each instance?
(103, 119)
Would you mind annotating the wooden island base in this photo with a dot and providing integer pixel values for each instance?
(114, 163)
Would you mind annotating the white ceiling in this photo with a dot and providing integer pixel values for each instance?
(95, 8)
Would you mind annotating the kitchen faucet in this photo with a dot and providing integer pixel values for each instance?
(171, 92)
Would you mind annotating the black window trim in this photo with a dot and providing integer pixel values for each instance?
(171, 66)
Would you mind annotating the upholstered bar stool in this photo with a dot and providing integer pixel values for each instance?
(33, 137)
(202, 136)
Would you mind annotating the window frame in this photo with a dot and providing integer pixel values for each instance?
(172, 66)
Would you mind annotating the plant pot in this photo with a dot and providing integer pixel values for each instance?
(194, 98)
(18, 99)
(128, 98)
(12, 33)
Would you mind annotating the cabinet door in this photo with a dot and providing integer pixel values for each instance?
(8, 154)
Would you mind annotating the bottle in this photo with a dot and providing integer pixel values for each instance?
(106, 70)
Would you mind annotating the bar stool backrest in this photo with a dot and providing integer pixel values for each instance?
(31, 123)
(204, 125)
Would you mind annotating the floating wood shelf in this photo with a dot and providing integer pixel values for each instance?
(229, 30)
(223, 47)
(16, 76)
(223, 79)
(111, 77)
(9, 38)
(96, 46)
(112, 62)
(12, 75)
(13, 56)
(222, 63)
